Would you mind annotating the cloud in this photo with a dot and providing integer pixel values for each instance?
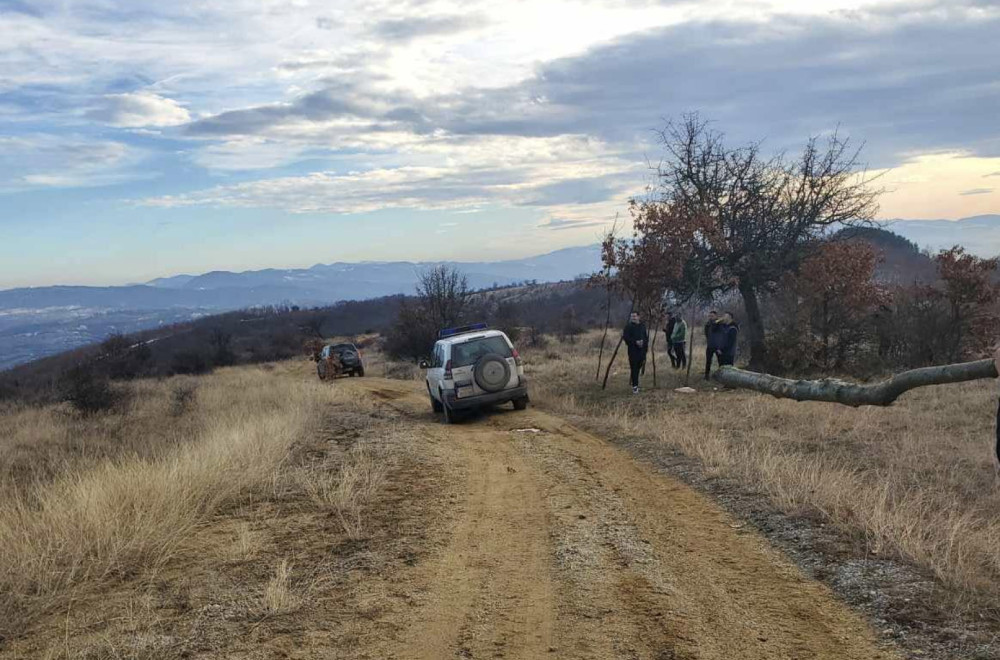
(346, 99)
(904, 82)
(140, 109)
(976, 191)
(247, 154)
(413, 27)
(575, 191)
(529, 112)
(48, 160)
(560, 224)
(782, 79)
(991, 174)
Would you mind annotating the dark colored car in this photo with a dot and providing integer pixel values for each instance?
(340, 360)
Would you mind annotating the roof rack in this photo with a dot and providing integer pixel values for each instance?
(472, 327)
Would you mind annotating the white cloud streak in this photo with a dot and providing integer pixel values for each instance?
(140, 110)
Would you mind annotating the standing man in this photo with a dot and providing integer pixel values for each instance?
(711, 349)
(669, 332)
(678, 341)
(727, 340)
(637, 340)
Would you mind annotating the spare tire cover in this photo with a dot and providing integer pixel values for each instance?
(492, 372)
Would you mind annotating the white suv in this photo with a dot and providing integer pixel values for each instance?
(474, 367)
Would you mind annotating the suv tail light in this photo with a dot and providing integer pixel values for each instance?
(517, 357)
(447, 370)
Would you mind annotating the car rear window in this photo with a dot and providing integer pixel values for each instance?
(468, 352)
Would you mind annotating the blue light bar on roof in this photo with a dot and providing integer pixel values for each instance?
(472, 327)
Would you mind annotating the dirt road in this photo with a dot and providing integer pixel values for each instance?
(556, 544)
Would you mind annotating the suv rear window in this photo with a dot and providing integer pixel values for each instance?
(466, 353)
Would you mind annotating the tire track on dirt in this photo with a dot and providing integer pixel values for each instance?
(562, 545)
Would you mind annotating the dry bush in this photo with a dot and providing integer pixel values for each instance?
(90, 392)
(915, 480)
(98, 520)
(402, 371)
(183, 397)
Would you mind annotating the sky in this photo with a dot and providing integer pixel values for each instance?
(141, 139)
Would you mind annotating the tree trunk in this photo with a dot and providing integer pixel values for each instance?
(852, 394)
(652, 354)
(755, 328)
(611, 362)
(689, 347)
(607, 324)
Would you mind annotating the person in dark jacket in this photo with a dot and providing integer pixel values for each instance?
(711, 337)
(728, 336)
(669, 331)
(637, 340)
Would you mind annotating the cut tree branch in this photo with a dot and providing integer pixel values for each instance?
(853, 394)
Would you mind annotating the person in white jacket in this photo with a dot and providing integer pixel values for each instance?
(678, 342)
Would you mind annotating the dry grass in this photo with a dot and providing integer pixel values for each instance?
(117, 496)
(347, 489)
(279, 596)
(915, 480)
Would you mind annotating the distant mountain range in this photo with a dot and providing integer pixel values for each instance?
(319, 285)
(40, 321)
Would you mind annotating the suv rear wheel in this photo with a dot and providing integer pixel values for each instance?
(435, 404)
(521, 403)
(449, 414)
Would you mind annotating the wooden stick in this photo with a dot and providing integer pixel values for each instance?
(607, 324)
(604, 385)
(852, 394)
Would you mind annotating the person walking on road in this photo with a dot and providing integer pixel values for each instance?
(636, 339)
(678, 342)
(669, 332)
(711, 338)
(728, 336)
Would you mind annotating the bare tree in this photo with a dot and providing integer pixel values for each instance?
(444, 295)
(442, 301)
(762, 213)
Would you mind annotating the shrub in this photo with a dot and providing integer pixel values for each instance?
(89, 392)
(191, 362)
(569, 326)
(8, 389)
(182, 398)
(534, 337)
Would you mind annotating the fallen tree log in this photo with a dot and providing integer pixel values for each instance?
(832, 390)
